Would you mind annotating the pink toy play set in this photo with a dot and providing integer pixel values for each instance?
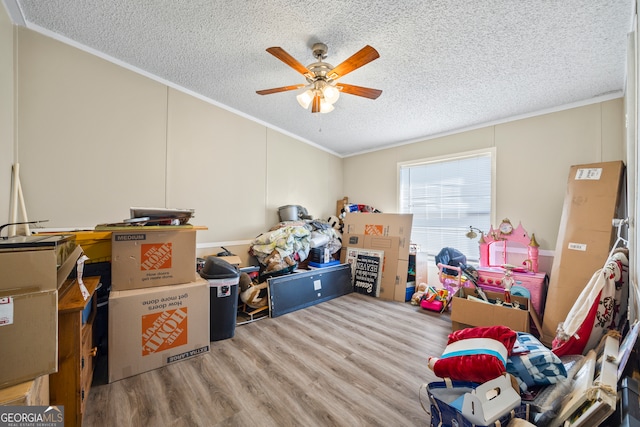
(495, 273)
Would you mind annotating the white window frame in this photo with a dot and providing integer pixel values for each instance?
(453, 157)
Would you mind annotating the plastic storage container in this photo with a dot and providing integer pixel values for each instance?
(223, 297)
(288, 213)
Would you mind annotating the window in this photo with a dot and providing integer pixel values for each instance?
(447, 195)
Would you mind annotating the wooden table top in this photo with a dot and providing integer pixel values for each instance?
(70, 298)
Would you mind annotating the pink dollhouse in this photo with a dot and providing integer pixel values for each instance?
(497, 251)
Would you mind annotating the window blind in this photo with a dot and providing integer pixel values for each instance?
(446, 197)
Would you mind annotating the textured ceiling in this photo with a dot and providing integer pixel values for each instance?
(444, 66)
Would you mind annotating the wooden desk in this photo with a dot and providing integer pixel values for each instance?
(70, 385)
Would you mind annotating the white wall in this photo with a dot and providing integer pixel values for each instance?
(533, 160)
(6, 114)
(95, 139)
(91, 135)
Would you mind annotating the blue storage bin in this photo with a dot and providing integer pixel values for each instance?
(86, 311)
(410, 291)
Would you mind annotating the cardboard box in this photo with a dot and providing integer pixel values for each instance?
(95, 244)
(394, 271)
(393, 286)
(399, 279)
(154, 327)
(585, 237)
(152, 257)
(393, 283)
(232, 259)
(466, 313)
(28, 269)
(28, 333)
(36, 268)
(379, 224)
(393, 245)
(29, 393)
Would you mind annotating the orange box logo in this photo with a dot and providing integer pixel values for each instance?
(373, 230)
(164, 330)
(155, 256)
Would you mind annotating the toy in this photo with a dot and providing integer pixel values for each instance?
(435, 299)
(275, 262)
(337, 226)
(352, 207)
(504, 234)
(250, 293)
(421, 290)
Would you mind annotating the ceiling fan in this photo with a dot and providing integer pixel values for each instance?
(322, 90)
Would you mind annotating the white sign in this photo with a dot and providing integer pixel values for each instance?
(588, 173)
(6, 311)
(577, 246)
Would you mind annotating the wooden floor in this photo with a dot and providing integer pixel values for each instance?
(351, 361)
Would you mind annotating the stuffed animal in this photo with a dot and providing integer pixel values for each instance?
(337, 225)
(275, 262)
(250, 293)
(421, 289)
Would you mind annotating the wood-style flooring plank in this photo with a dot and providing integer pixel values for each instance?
(351, 361)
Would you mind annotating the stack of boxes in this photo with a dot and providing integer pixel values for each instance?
(386, 232)
(32, 271)
(158, 305)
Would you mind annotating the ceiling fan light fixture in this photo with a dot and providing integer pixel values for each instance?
(305, 98)
(326, 107)
(330, 93)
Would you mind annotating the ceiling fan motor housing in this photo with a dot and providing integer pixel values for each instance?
(319, 51)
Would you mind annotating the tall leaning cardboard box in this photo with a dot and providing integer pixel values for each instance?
(585, 236)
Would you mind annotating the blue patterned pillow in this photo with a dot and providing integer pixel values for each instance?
(531, 363)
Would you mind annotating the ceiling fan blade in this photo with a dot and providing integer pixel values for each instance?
(355, 61)
(315, 107)
(278, 89)
(359, 91)
(283, 56)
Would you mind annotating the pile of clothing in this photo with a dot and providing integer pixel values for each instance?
(291, 241)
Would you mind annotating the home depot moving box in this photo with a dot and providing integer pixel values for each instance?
(153, 327)
(28, 334)
(584, 239)
(152, 256)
